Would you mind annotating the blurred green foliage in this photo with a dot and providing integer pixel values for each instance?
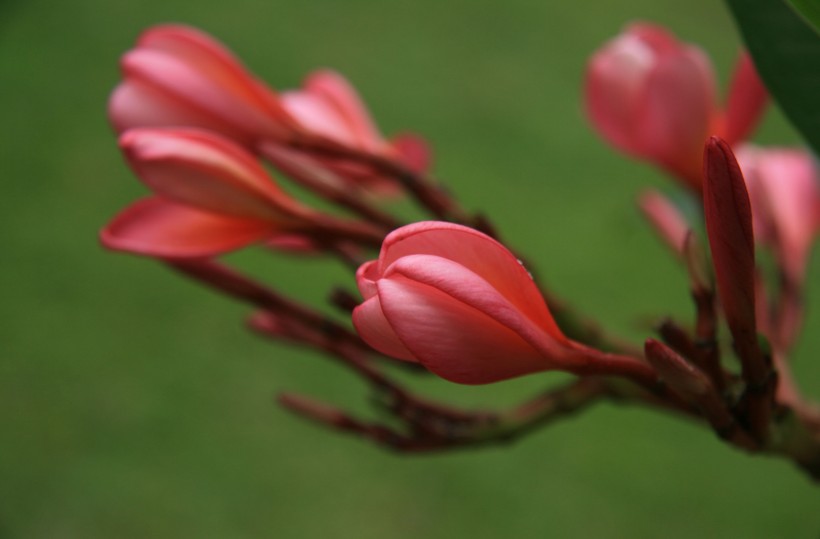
(786, 50)
(133, 404)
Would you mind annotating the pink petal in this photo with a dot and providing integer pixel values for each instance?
(747, 100)
(158, 228)
(135, 104)
(214, 100)
(206, 171)
(372, 326)
(478, 253)
(465, 286)
(317, 116)
(213, 59)
(413, 151)
(337, 92)
(615, 77)
(678, 110)
(678, 106)
(784, 189)
(453, 339)
(366, 277)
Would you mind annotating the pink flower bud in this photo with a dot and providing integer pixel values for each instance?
(210, 173)
(179, 76)
(653, 97)
(212, 197)
(461, 304)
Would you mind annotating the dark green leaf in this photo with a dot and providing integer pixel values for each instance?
(786, 51)
(810, 10)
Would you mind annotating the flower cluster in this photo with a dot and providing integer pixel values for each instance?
(212, 142)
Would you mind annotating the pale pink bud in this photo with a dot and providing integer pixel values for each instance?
(653, 97)
(458, 302)
(178, 76)
(328, 106)
(785, 194)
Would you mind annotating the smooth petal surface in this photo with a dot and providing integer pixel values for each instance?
(208, 172)
(158, 228)
(452, 339)
(785, 195)
(373, 327)
(413, 151)
(470, 289)
(478, 253)
(192, 70)
(337, 92)
(678, 108)
(746, 102)
(615, 77)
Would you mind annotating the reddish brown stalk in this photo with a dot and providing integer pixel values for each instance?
(352, 199)
(236, 285)
(695, 387)
(424, 190)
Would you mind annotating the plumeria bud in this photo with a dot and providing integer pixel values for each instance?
(177, 76)
(728, 215)
(785, 195)
(653, 97)
(458, 302)
(329, 109)
(212, 197)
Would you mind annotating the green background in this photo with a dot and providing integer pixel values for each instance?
(134, 404)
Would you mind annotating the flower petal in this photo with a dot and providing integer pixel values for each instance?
(478, 253)
(158, 228)
(747, 100)
(413, 151)
(199, 73)
(373, 327)
(337, 92)
(453, 339)
(678, 110)
(208, 172)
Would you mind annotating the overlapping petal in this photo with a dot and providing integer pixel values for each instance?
(159, 228)
(654, 97)
(208, 172)
(180, 76)
(461, 304)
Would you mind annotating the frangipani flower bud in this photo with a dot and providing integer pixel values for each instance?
(653, 97)
(728, 214)
(458, 302)
(329, 108)
(212, 197)
(178, 76)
